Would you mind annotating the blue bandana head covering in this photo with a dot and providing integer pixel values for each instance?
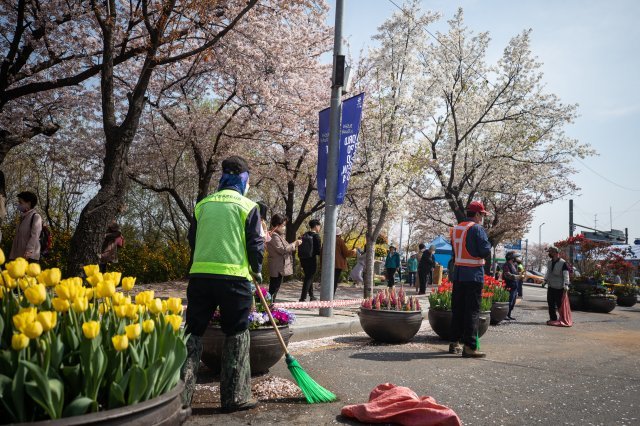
(233, 181)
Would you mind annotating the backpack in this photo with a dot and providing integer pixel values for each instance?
(46, 238)
(305, 249)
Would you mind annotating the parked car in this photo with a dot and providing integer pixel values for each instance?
(535, 277)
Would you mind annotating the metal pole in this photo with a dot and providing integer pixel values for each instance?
(571, 225)
(400, 243)
(526, 253)
(540, 244)
(331, 209)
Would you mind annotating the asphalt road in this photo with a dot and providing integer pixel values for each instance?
(534, 374)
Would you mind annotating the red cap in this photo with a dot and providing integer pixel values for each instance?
(476, 207)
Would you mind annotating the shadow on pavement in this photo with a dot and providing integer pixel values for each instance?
(402, 356)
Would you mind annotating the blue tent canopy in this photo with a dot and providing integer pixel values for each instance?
(443, 250)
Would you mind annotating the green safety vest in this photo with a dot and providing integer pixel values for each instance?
(221, 245)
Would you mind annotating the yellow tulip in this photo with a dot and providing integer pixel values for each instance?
(106, 288)
(133, 331)
(60, 305)
(33, 330)
(8, 281)
(95, 279)
(91, 270)
(81, 304)
(17, 268)
(174, 304)
(53, 277)
(65, 290)
(112, 276)
(22, 320)
(155, 306)
(120, 311)
(120, 342)
(144, 297)
(121, 299)
(88, 293)
(33, 270)
(148, 326)
(36, 294)
(91, 329)
(132, 311)
(174, 320)
(128, 283)
(1, 292)
(48, 319)
(103, 309)
(2, 258)
(19, 341)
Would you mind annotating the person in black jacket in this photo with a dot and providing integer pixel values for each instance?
(310, 264)
(510, 275)
(425, 268)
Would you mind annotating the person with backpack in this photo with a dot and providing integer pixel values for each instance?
(109, 251)
(280, 254)
(308, 250)
(26, 243)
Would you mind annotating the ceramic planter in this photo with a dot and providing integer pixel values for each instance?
(264, 351)
(499, 311)
(627, 301)
(600, 304)
(390, 326)
(440, 322)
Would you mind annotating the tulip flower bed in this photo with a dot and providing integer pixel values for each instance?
(78, 345)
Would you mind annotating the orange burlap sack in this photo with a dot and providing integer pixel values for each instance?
(389, 403)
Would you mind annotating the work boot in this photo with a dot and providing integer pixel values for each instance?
(235, 376)
(189, 372)
(247, 405)
(455, 348)
(467, 352)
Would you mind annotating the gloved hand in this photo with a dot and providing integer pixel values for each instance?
(566, 287)
(257, 276)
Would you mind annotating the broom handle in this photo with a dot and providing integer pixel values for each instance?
(273, 321)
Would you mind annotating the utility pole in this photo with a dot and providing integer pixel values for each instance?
(400, 242)
(331, 209)
(540, 243)
(526, 253)
(571, 227)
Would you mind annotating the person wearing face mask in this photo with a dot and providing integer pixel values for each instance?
(226, 255)
(470, 247)
(557, 281)
(26, 243)
(280, 254)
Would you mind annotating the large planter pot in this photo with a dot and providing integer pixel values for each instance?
(440, 322)
(390, 326)
(499, 311)
(627, 301)
(581, 286)
(599, 304)
(164, 410)
(264, 351)
(575, 301)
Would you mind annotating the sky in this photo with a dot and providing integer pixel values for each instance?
(589, 51)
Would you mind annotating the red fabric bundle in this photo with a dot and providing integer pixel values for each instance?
(389, 403)
(564, 313)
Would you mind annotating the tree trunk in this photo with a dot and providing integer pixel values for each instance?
(368, 267)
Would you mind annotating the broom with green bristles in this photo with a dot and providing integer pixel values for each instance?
(312, 391)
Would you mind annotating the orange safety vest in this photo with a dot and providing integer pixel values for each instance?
(459, 242)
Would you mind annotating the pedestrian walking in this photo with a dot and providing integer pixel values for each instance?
(470, 247)
(557, 281)
(392, 265)
(521, 273)
(308, 252)
(412, 270)
(421, 277)
(227, 250)
(342, 253)
(425, 268)
(26, 243)
(113, 240)
(510, 275)
(280, 254)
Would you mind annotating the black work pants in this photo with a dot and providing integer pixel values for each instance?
(554, 300)
(309, 266)
(336, 279)
(465, 304)
(274, 286)
(513, 296)
(391, 279)
(422, 277)
(204, 295)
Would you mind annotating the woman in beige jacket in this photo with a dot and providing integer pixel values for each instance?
(280, 254)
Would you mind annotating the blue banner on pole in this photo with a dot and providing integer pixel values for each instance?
(516, 245)
(351, 116)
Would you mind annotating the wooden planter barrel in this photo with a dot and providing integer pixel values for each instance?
(390, 326)
(264, 350)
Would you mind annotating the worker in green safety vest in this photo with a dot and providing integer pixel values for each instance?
(227, 250)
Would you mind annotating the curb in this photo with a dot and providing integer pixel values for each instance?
(310, 332)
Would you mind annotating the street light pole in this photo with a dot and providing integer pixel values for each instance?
(540, 244)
